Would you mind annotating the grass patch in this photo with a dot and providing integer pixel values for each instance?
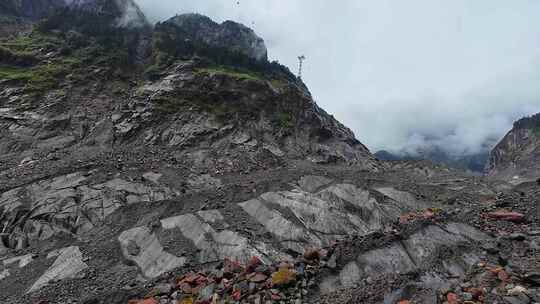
(171, 104)
(31, 42)
(168, 104)
(41, 78)
(14, 73)
(278, 84)
(284, 120)
(235, 73)
(536, 131)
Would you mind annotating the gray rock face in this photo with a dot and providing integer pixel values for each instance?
(229, 35)
(68, 264)
(296, 220)
(143, 247)
(312, 183)
(316, 136)
(517, 155)
(214, 245)
(31, 9)
(67, 204)
(315, 213)
(413, 253)
(127, 13)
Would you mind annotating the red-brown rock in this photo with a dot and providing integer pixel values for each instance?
(185, 287)
(253, 263)
(477, 293)
(312, 254)
(237, 295)
(507, 216)
(503, 276)
(258, 278)
(230, 266)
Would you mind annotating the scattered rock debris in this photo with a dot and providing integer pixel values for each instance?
(231, 282)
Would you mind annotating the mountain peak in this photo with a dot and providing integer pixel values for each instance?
(29, 9)
(65, 13)
(517, 155)
(229, 35)
(127, 13)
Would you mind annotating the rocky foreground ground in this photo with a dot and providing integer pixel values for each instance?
(297, 234)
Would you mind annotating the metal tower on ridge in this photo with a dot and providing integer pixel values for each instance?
(300, 63)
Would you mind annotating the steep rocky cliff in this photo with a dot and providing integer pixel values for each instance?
(17, 16)
(29, 9)
(138, 167)
(228, 35)
(517, 156)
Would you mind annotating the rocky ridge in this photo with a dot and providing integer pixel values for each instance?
(29, 9)
(227, 35)
(516, 156)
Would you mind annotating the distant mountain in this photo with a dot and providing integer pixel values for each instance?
(517, 156)
(473, 162)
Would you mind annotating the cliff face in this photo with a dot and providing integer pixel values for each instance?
(115, 13)
(229, 35)
(17, 16)
(29, 9)
(517, 156)
(125, 13)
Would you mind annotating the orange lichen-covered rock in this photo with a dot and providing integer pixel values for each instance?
(284, 276)
(507, 216)
(188, 300)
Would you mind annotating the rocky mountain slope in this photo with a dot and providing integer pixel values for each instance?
(29, 9)
(517, 156)
(17, 16)
(140, 167)
(229, 35)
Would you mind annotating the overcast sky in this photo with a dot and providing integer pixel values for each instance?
(401, 74)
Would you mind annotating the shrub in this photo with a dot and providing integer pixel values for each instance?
(16, 58)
